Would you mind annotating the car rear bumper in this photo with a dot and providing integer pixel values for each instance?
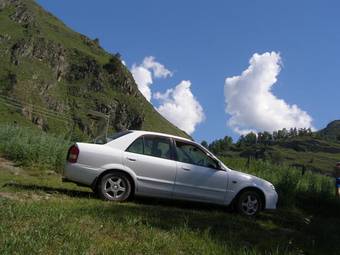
(80, 174)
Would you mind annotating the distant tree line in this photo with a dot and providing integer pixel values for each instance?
(219, 145)
(262, 138)
(267, 138)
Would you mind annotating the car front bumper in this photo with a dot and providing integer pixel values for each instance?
(271, 200)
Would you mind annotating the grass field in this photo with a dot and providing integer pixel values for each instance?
(41, 215)
(33, 148)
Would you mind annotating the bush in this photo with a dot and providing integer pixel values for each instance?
(33, 147)
(294, 189)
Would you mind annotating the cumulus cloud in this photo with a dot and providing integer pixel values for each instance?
(159, 70)
(143, 78)
(180, 107)
(251, 103)
(145, 72)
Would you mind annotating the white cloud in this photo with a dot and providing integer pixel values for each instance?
(159, 70)
(180, 107)
(144, 73)
(251, 103)
(143, 78)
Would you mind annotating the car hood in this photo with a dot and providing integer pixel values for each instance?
(256, 181)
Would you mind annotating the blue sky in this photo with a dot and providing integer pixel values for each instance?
(207, 41)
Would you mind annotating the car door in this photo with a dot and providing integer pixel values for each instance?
(199, 176)
(151, 158)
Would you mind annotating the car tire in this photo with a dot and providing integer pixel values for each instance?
(114, 186)
(249, 203)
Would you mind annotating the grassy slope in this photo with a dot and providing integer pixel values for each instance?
(316, 154)
(39, 214)
(52, 29)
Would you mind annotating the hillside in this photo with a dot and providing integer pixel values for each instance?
(54, 78)
(332, 131)
(304, 150)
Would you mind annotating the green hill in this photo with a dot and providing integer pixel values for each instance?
(302, 149)
(332, 131)
(54, 78)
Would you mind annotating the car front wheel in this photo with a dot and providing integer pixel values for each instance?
(114, 187)
(249, 203)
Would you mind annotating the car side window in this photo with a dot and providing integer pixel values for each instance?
(157, 146)
(191, 154)
(137, 146)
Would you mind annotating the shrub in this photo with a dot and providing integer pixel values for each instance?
(33, 147)
(294, 189)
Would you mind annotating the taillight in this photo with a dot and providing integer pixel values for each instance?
(73, 153)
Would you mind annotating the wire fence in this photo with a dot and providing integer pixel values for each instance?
(14, 103)
(51, 114)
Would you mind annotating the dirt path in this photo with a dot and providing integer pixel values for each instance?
(8, 165)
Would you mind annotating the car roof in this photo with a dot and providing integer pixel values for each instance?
(141, 132)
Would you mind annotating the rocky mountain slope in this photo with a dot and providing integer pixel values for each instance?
(55, 78)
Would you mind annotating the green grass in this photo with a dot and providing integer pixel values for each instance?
(293, 187)
(33, 148)
(41, 215)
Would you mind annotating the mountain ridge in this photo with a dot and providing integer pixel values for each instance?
(46, 65)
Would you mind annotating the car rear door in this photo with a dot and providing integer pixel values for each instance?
(151, 158)
(198, 175)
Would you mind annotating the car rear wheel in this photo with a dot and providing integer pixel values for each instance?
(114, 187)
(249, 203)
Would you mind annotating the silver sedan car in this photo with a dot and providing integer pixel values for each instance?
(161, 165)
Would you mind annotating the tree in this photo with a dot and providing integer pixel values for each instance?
(204, 144)
(250, 139)
(264, 138)
(241, 141)
(221, 145)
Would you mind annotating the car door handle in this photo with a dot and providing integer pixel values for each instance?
(185, 168)
(132, 159)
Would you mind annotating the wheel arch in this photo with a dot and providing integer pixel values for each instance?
(251, 188)
(115, 170)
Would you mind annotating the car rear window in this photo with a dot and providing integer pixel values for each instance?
(155, 146)
(117, 135)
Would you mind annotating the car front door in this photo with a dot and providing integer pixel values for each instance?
(151, 158)
(199, 176)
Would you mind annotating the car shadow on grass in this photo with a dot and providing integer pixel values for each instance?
(51, 190)
(137, 199)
